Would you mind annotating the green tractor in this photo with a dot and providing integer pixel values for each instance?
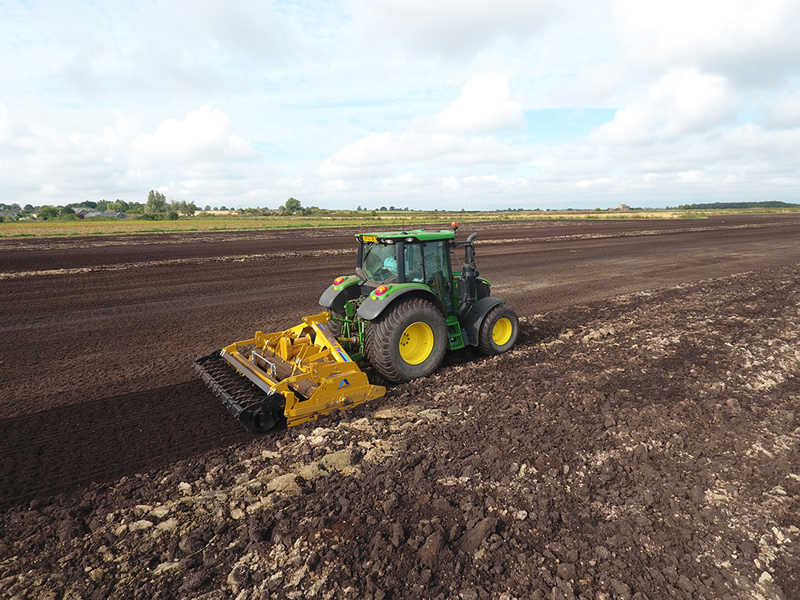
(405, 306)
(402, 310)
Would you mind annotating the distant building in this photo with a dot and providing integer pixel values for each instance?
(88, 213)
(623, 207)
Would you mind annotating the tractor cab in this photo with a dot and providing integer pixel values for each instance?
(413, 257)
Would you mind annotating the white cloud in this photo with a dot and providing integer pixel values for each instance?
(434, 142)
(679, 103)
(385, 153)
(485, 106)
(451, 27)
(202, 136)
(5, 125)
(783, 111)
(747, 39)
(251, 27)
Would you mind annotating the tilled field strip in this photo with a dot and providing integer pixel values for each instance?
(173, 262)
(349, 251)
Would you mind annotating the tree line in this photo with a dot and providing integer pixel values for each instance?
(157, 207)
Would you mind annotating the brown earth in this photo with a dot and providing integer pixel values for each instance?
(641, 441)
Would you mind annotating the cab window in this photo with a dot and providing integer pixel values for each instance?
(378, 262)
(413, 258)
(435, 256)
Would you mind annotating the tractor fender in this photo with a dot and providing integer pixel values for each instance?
(370, 309)
(335, 299)
(472, 321)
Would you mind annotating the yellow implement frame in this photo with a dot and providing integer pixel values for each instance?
(307, 366)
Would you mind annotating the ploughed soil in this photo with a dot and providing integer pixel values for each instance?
(640, 441)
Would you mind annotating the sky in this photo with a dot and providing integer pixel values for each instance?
(448, 104)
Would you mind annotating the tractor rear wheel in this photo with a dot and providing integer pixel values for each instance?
(498, 330)
(408, 340)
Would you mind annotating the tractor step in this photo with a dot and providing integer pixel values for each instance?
(454, 333)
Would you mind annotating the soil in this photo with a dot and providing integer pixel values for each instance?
(640, 441)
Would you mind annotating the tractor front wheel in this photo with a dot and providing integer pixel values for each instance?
(407, 341)
(498, 331)
(335, 325)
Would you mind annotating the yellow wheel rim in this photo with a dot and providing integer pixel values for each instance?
(502, 330)
(416, 343)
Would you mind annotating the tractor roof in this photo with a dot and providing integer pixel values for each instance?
(417, 235)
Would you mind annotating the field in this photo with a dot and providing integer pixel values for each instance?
(232, 221)
(641, 441)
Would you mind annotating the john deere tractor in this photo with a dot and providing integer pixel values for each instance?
(402, 310)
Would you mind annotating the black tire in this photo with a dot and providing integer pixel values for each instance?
(335, 327)
(498, 331)
(388, 339)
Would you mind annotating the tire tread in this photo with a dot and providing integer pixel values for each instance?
(378, 343)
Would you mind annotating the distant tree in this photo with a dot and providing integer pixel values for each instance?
(102, 206)
(119, 206)
(292, 205)
(156, 202)
(66, 213)
(359, 207)
(208, 207)
(28, 208)
(222, 207)
(762, 204)
(47, 212)
(172, 216)
(383, 208)
(189, 208)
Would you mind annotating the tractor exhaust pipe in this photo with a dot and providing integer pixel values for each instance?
(469, 275)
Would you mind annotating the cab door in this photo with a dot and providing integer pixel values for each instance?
(438, 274)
